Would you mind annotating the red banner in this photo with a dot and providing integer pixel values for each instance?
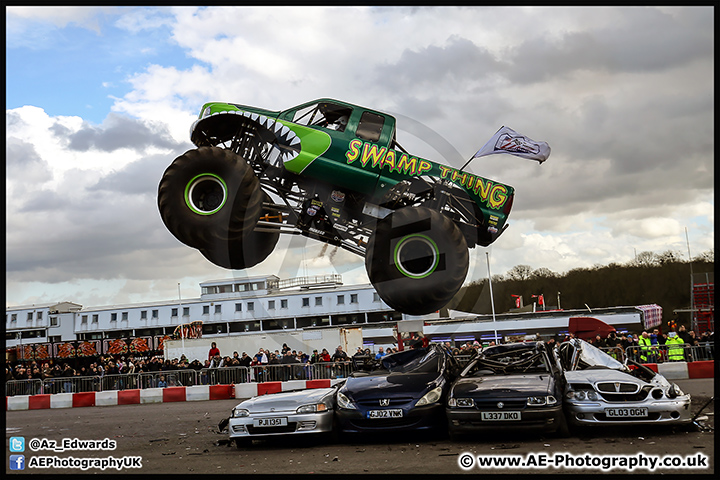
(88, 348)
(141, 345)
(117, 346)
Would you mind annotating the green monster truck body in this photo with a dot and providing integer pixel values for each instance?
(334, 172)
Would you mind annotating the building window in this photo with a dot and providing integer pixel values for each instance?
(155, 314)
(113, 317)
(54, 321)
(238, 307)
(318, 301)
(206, 309)
(95, 318)
(29, 316)
(186, 311)
(143, 315)
(218, 308)
(283, 303)
(353, 298)
(271, 304)
(39, 315)
(13, 318)
(174, 312)
(124, 316)
(251, 306)
(306, 302)
(376, 297)
(341, 300)
(83, 320)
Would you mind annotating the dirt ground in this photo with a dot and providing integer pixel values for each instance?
(184, 438)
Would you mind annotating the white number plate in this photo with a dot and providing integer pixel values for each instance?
(389, 413)
(501, 416)
(626, 412)
(270, 422)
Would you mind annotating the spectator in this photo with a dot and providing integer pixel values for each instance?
(213, 351)
(289, 371)
(380, 354)
(161, 382)
(339, 355)
(245, 360)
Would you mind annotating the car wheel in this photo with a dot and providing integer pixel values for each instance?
(248, 251)
(209, 194)
(243, 442)
(417, 260)
(563, 430)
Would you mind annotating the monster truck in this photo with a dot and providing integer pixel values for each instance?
(334, 172)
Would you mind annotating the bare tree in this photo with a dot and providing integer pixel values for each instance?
(520, 272)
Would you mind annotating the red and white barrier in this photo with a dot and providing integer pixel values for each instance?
(158, 395)
(671, 371)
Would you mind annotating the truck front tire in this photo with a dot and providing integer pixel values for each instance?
(417, 259)
(209, 195)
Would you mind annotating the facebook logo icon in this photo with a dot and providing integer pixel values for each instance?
(17, 444)
(17, 462)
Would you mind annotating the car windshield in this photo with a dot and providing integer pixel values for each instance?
(508, 362)
(420, 360)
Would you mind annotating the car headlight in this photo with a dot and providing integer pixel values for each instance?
(315, 407)
(581, 395)
(674, 391)
(345, 402)
(205, 112)
(541, 401)
(432, 396)
(240, 412)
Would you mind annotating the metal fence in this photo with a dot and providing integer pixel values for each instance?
(295, 371)
(663, 353)
(177, 378)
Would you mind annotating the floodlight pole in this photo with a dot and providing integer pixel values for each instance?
(492, 301)
(180, 316)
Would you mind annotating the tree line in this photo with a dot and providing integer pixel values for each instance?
(663, 279)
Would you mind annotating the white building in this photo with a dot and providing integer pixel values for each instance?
(225, 307)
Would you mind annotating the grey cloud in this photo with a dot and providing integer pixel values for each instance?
(459, 61)
(645, 40)
(117, 132)
(24, 163)
(139, 177)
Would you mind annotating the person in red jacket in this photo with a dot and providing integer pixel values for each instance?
(214, 350)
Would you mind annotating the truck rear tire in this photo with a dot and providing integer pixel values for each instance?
(417, 259)
(251, 249)
(208, 195)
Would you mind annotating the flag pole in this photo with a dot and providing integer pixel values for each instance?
(492, 302)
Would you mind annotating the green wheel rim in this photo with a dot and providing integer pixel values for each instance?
(419, 262)
(206, 194)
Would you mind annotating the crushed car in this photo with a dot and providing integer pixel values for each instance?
(601, 390)
(516, 386)
(302, 412)
(404, 391)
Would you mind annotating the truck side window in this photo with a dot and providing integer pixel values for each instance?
(370, 126)
(327, 115)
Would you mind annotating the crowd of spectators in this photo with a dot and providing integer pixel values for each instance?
(61, 376)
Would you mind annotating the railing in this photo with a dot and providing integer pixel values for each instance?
(294, 371)
(663, 353)
(173, 378)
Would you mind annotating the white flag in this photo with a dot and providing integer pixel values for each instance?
(507, 140)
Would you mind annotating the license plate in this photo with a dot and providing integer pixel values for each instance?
(270, 422)
(626, 412)
(389, 413)
(501, 416)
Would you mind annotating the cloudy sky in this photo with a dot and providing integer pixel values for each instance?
(100, 100)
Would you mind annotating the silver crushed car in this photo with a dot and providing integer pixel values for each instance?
(309, 411)
(601, 390)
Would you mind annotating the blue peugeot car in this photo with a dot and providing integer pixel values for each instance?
(403, 391)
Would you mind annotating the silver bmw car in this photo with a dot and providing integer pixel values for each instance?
(307, 411)
(601, 390)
